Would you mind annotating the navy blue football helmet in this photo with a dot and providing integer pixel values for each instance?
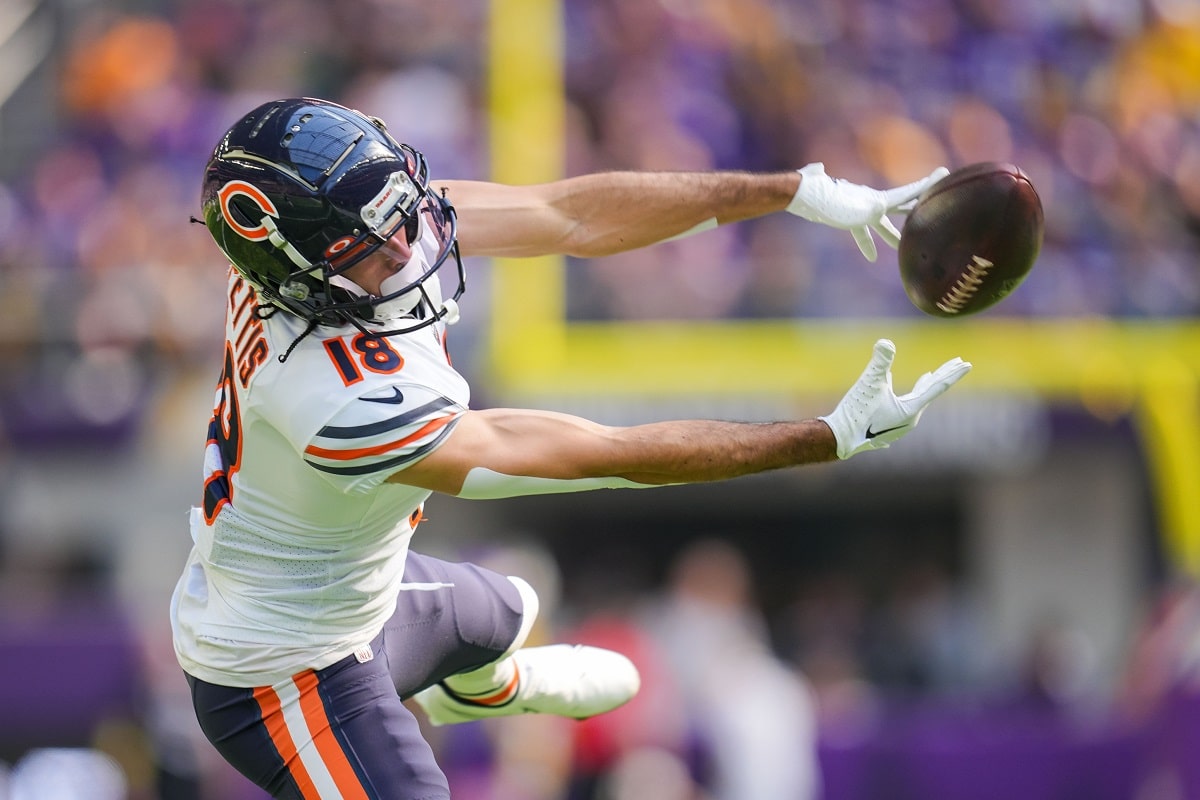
(299, 190)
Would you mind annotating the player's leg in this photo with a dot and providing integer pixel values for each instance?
(341, 732)
(453, 618)
(456, 643)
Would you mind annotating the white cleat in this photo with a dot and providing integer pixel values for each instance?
(575, 681)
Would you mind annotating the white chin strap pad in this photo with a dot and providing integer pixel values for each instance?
(451, 308)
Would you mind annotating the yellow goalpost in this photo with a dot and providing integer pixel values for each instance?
(1147, 368)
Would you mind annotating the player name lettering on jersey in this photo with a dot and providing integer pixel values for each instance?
(246, 337)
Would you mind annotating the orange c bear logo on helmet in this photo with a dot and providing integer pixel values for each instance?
(258, 197)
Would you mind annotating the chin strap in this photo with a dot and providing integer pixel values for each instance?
(276, 237)
(308, 329)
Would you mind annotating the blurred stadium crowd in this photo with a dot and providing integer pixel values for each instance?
(105, 281)
(1096, 99)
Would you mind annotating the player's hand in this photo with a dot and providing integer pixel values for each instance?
(858, 209)
(871, 416)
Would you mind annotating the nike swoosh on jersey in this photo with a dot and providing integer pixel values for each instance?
(396, 398)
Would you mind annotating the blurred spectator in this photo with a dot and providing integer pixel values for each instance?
(1159, 694)
(922, 639)
(67, 774)
(753, 714)
(823, 631)
(1057, 670)
(1164, 655)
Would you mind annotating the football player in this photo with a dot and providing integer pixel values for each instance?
(302, 618)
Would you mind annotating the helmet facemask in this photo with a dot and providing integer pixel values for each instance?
(412, 297)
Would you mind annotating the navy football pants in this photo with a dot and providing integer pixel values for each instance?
(342, 733)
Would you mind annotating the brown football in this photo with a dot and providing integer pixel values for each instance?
(971, 239)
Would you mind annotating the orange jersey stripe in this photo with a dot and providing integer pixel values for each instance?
(272, 713)
(347, 455)
(327, 744)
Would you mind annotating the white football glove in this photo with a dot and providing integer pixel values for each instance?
(858, 209)
(871, 416)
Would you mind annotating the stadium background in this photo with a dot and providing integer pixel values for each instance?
(1003, 606)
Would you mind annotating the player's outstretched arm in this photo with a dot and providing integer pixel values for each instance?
(510, 452)
(610, 212)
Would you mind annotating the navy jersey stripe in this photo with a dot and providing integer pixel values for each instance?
(375, 428)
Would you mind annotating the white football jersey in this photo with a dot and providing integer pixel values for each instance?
(299, 543)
